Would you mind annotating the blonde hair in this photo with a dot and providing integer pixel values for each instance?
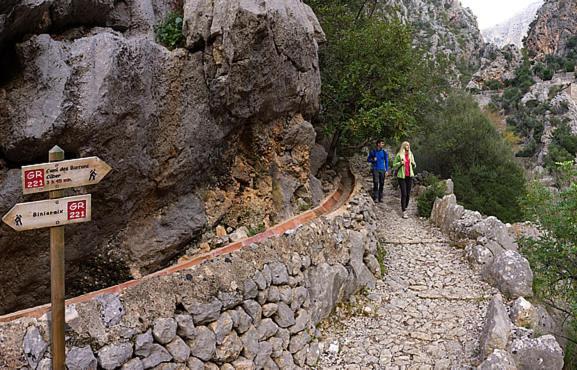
(402, 149)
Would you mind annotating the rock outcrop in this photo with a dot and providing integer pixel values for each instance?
(496, 65)
(513, 30)
(444, 28)
(555, 25)
(91, 78)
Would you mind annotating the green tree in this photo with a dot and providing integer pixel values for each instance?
(375, 84)
(553, 255)
(464, 145)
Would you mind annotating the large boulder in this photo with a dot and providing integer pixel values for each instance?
(497, 330)
(91, 78)
(536, 354)
(498, 360)
(327, 287)
(511, 274)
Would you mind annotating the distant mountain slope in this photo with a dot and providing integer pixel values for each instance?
(555, 29)
(513, 30)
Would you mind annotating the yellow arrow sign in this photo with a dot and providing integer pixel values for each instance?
(49, 213)
(39, 178)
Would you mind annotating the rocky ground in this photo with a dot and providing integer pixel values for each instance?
(427, 311)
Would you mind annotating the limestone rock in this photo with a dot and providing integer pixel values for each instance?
(111, 309)
(269, 309)
(554, 26)
(203, 345)
(254, 310)
(524, 314)
(540, 353)
(279, 273)
(497, 329)
(229, 349)
(327, 283)
(158, 354)
(185, 325)
(46, 364)
(266, 329)
(114, 355)
(222, 327)
(134, 364)
(34, 346)
(511, 273)
(81, 358)
(143, 344)
(178, 349)
(164, 330)
(203, 312)
(498, 360)
(284, 316)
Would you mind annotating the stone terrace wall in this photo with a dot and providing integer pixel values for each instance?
(517, 333)
(254, 308)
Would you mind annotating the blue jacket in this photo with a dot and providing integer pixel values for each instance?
(380, 159)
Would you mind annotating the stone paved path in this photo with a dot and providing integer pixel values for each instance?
(426, 313)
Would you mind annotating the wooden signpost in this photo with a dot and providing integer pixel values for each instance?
(55, 213)
(39, 178)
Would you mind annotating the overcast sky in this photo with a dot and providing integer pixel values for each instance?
(491, 12)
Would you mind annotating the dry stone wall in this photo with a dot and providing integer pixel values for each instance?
(516, 334)
(255, 308)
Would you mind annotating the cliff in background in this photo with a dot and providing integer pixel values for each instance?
(555, 25)
(90, 77)
(513, 30)
(445, 29)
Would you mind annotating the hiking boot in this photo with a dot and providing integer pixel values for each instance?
(405, 214)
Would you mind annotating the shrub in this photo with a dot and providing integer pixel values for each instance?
(435, 189)
(552, 255)
(528, 150)
(547, 74)
(464, 145)
(493, 85)
(169, 32)
(570, 66)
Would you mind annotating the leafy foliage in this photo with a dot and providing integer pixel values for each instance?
(375, 83)
(435, 189)
(464, 145)
(553, 256)
(563, 146)
(169, 32)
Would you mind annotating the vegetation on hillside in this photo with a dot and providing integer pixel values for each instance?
(553, 256)
(461, 143)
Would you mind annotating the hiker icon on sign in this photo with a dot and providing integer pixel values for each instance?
(92, 175)
(18, 220)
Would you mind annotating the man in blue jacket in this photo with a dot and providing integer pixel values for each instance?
(379, 159)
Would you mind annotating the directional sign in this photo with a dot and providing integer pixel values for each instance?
(49, 213)
(39, 178)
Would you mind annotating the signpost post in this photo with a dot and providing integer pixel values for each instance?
(57, 288)
(54, 213)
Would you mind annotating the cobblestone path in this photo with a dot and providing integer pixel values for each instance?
(425, 313)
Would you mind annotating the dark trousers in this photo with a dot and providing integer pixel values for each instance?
(378, 183)
(405, 185)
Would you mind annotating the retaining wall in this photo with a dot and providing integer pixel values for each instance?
(516, 333)
(253, 304)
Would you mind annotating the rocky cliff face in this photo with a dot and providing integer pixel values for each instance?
(444, 28)
(513, 30)
(555, 25)
(91, 78)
